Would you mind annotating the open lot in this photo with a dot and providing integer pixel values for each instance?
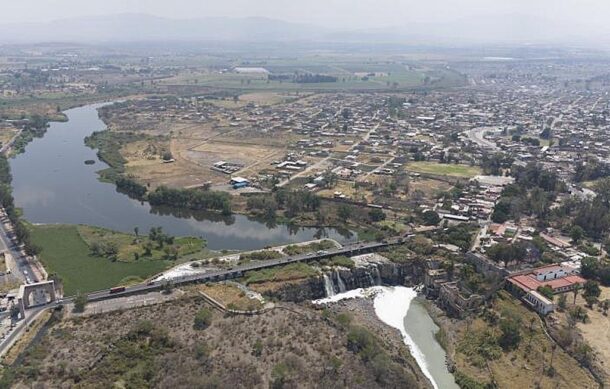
(443, 169)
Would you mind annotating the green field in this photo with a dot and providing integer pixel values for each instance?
(66, 254)
(443, 169)
(128, 245)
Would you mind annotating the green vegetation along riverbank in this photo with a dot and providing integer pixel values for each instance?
(82, 257)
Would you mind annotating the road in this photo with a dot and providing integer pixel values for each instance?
(477, 135)
(25, 270)
(20, 327)
(220, 275)
(238, 271)
(323, 161)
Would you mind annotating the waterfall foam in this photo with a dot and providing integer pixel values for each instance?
(328, 286)
(340, 283)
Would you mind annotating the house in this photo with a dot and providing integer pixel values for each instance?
(538, 302)
(555, 241)
(559, 278)
(239, 182)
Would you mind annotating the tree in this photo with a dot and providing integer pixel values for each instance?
(203, 319)
(430, 218)
(80, 301)
(167, 156)
(577, 233)
(577, 287)
(592, 289)
(562, 301)
(605, 306)
(546, 291)
(507, 253)
(344, 212)
(511, 334)
(376, 215)
(148, 246)
(592, 292)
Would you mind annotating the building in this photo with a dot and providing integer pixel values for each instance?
(239, 182)
(538, 302)
(559, 278)
(457, 303)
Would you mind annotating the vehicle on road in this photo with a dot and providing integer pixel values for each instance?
(117, 289)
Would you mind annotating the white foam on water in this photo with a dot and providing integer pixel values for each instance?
(350, 294)
(391, 307)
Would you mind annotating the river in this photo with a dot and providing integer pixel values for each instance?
(52, 184)
(401, 308)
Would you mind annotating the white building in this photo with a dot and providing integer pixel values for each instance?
(538, 302)
(552, 272)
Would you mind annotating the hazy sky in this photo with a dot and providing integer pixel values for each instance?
(338, 13)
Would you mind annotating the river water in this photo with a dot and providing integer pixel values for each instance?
(52, 184)
(401, 308)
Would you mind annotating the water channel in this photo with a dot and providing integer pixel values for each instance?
(52, 184)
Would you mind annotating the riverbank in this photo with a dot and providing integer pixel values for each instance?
(398, 321)
(361, 310)
(53, 186)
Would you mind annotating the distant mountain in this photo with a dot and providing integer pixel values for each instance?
(493, 29)
(139, 27)
(509, 29)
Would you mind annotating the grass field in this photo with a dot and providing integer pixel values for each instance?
(443, 169)
(347, 75)
(65, 253)
(128, 246)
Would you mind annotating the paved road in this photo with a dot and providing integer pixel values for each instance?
(477, 135)
(350, 250)
(238, 271)
(15, 333)
(25, 269)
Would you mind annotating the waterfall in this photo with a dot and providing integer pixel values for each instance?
(377, 275)
(328, 285)
(340, 282)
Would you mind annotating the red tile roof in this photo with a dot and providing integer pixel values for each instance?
(529, 282)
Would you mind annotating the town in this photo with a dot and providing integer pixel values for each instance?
(254, 189)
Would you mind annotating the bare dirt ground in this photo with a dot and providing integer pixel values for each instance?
(429, 187)
(258, 98)
(597, 331)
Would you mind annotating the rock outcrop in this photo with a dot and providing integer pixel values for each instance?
(369, 270)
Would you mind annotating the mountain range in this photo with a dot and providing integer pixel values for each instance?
(513, 29)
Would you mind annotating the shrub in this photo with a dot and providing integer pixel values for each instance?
(203, 319)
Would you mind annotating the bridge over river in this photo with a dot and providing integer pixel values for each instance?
(239, 271)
